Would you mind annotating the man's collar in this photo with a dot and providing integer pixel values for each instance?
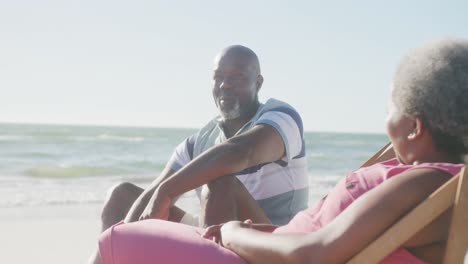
(220, 121)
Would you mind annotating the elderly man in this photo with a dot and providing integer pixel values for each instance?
(250, 151)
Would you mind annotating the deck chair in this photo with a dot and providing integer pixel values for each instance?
(454, 194)
(383, 154)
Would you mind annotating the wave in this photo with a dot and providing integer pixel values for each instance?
(36, 155)
(110, 137)
(68, 137)
(54, 171)
(7, 138)
(317, 156)
(78, 171)
(147, 165)
(57, 201)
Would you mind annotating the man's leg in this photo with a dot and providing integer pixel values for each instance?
(119, 200)
(226, 199)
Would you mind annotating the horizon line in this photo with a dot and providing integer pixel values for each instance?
(163, 127)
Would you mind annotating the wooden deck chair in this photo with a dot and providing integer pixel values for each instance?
(383, 154)
(453, 193)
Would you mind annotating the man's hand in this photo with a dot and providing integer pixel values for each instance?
(157, 207)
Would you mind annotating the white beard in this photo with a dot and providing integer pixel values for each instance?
(231, 114)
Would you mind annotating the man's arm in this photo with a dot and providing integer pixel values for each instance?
(362, 222)
(261, 144)
(142, 201)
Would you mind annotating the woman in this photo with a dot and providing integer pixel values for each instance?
(427, 124)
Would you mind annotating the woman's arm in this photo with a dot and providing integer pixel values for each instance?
(214, 232)
(361, 223)
(260, 247)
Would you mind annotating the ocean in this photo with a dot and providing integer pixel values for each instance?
(42, 165)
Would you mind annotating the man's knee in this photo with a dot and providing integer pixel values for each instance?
(224, 186)
(119, 200)
(123, 191)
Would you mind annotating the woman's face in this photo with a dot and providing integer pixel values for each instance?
(400, 127)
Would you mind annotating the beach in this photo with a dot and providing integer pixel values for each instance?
(54, 179)
(52, 234)
(48, 234)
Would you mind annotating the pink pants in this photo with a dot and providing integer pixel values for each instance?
(156, 241)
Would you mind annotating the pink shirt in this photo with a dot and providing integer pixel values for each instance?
(348, 189)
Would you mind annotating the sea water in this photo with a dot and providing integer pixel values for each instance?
(44, 165)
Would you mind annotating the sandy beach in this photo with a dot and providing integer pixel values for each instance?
(48, 234)
(54, 234)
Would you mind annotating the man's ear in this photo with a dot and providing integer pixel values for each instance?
(418, 129)
(259, 82)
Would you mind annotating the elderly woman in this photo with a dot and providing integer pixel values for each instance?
(427, 124)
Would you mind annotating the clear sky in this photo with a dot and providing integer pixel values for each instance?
(148, 63)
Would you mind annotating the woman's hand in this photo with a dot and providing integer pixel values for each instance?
(230, 228)
(214, 232)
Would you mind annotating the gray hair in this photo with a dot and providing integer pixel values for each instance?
(432, 83)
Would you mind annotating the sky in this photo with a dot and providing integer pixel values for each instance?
(149, 63)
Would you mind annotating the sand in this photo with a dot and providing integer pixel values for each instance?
(48, 234)
(55, 234)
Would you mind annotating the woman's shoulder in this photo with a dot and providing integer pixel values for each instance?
(450, 168)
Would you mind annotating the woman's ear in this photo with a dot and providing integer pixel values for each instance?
(418, 129)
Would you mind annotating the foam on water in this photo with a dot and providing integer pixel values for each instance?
(67, 172)
(107, 137)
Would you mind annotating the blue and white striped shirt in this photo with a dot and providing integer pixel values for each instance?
(280, 187)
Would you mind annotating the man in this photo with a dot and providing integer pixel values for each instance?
(259, 146)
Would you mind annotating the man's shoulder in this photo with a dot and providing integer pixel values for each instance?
(275, 111)
(273, 104)
(276, 106)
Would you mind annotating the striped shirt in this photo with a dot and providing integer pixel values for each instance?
(280, 187)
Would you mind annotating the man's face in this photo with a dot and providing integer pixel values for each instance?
(234, 85)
